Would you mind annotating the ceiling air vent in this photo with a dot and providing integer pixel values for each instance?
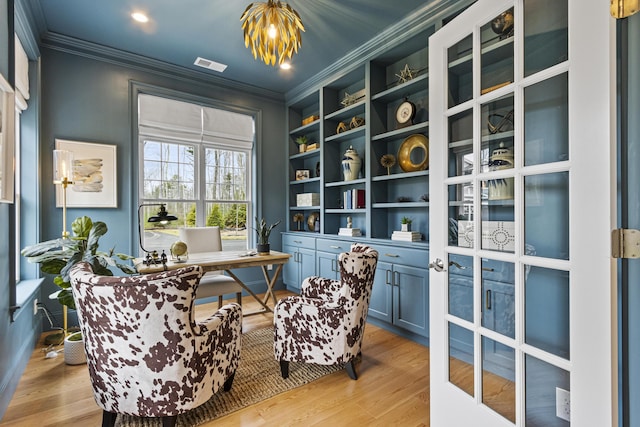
(211, 65)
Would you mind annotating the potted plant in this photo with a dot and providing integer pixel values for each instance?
(302, 143)
(405, 223)
(264, 230)
(58, 256)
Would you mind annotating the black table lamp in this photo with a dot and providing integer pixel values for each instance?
(163, 217)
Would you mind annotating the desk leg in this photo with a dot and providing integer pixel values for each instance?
(253, 294)
(271, 283)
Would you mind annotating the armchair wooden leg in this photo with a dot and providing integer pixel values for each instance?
(284, 368)
(108, 419)
(229, 382)
(239, 298)
(169, 421)
(351, 369)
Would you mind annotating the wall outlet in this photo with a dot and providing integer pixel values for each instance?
(35, 306)
(563, 404)
(270, 267)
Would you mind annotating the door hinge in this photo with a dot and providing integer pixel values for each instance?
(625, 243)
(623, 8)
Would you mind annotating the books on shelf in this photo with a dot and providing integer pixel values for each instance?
(407, 236)
(353, 199)
(351, 232)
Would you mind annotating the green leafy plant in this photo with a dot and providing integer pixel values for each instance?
(301, 140)
(406, 220)
(58, 256)
(264, 230)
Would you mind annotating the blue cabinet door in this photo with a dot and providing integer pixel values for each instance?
(307, 263)
(327, 265)
(411, 299)
(380, 305)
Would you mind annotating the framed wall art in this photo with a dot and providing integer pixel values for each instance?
(94, 175)
(7, 141)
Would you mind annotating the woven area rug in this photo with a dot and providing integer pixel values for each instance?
(258, 378)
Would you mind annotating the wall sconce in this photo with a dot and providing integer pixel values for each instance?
(163, 217)
(63, 175)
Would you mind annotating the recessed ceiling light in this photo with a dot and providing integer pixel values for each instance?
(285, 66)
(140, 17)
(212, 65)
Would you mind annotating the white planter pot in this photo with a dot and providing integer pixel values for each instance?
(74, 350)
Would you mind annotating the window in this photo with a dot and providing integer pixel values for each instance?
(196, 161)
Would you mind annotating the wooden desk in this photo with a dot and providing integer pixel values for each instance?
(227, 261)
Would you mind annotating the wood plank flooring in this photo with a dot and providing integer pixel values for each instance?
(392, 389)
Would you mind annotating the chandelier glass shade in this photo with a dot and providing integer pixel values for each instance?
(272, 30)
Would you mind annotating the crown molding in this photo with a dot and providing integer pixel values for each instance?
(98, 52)
(413, 24)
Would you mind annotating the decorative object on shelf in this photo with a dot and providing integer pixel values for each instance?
(351, 164)
(405, 223)
(298, 218)
(302, 174)
(313, 222)
(496, 235)
(424, 198)
(342, 127)
(162, 217)
(271, 29)
(264, 231)
(412, 142)
(308, 199)
(317, 169)
(404, 199)
(388, 161)
(350, 99)
(406, 74)
(405, 113)
(356, 122)
(501, 158)
(506, 120)
(302, 143)
(310, 119)
(503, 24)
(349, 222)
(313, 146)
(178, 251)
(407, 236)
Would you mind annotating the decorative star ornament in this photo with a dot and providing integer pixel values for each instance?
(406, 74)
(348, 100)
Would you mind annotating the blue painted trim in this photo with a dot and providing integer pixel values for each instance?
(114, 56)
(26, 290)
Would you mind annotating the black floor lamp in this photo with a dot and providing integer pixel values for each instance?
(163, 217)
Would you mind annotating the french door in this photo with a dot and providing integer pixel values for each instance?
(522, 290)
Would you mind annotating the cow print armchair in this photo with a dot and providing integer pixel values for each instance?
(325, 323)
(146, 354)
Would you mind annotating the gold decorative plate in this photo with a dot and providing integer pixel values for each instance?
(406, 149)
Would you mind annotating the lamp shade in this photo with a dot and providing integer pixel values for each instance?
(162, 216)
(62, 166)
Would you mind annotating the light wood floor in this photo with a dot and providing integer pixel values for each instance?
(392, 389)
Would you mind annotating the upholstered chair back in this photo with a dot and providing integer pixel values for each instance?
(325, 323)
(147, 356)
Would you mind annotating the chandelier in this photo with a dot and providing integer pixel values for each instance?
(273, 30)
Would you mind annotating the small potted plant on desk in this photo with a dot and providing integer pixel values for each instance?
(405, 223)
(264, 231)
(58, 256)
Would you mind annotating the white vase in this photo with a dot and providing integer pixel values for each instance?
(501, 158)
(74, 353)
(351, 164)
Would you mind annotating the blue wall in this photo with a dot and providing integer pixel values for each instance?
(88, 100)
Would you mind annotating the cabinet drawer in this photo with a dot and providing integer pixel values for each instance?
(298, 241)
(332, 246)
(413, 257)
